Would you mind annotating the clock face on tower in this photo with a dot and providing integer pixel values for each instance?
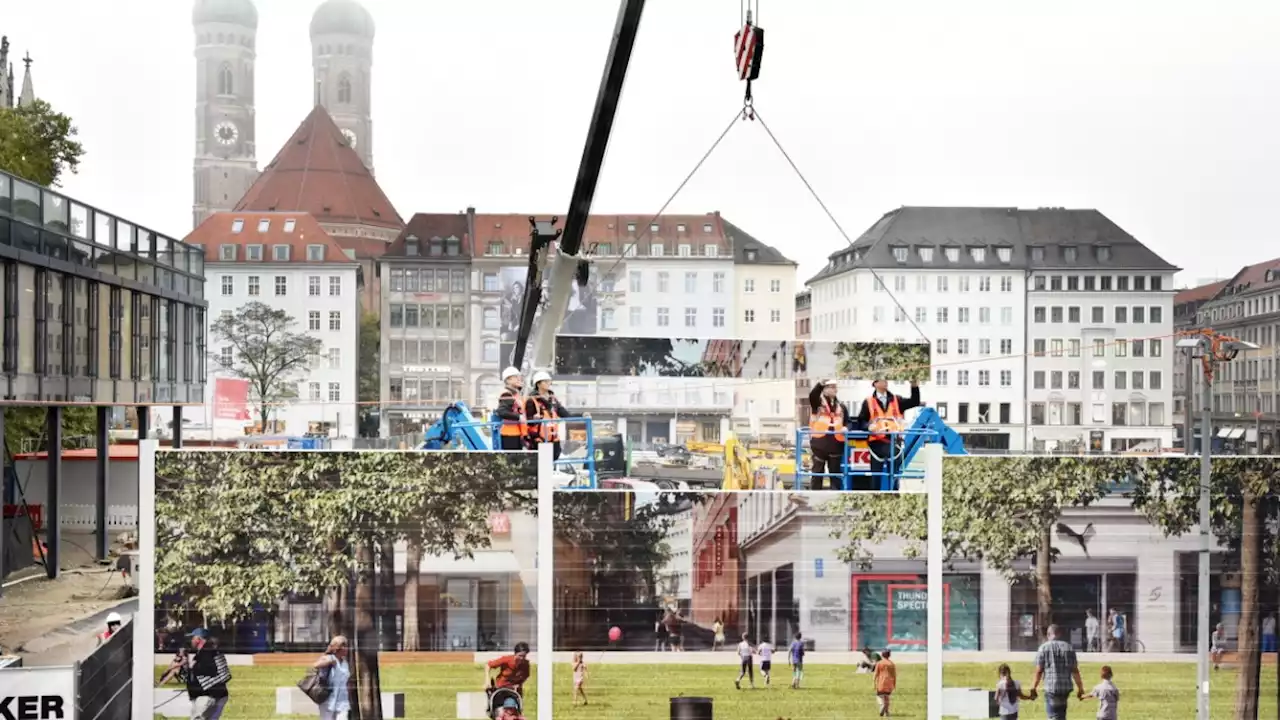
(226, 133)
(350, 137)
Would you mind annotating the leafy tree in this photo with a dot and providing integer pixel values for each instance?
(1244, 505)
(265, 351)
(997, 509)
(240, 530)
(39, 143)
(29, 423)
(369, 369)
(633, 356)
(896, 361)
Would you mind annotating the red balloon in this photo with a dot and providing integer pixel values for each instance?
(615, 634)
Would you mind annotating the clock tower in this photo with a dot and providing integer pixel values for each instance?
(225, 156)
(342, 59)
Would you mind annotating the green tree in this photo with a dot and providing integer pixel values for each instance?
(1244, 503)
(369, 373)
(895, 361)
(265, 351)
(39, 143)
(634, 356)
(27, 425)
(997, 509)
(236, 531)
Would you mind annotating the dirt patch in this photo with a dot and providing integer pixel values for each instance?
(38, 607)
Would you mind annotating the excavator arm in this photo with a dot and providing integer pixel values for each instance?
(568, 264)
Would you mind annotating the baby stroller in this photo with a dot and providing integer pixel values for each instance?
(505, 704)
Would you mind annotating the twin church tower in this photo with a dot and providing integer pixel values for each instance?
(226, 163)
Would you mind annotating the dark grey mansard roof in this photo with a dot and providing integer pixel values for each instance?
(741, 241)
(1050, 230)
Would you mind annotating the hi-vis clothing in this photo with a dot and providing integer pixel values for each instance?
(548, 413)
(826, 419)
(884, 419)
(511, 410)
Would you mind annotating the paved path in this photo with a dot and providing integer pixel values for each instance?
(74, 642)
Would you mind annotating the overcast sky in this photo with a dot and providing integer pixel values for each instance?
(1163, 115)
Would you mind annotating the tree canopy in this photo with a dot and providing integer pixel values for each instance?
(29, 423)
(39, 143)
(265, 351)
(236, 530)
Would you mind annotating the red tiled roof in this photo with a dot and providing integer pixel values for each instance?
(1199, 294)
(221, 229)
(317, 172)
(512, 230)
(1255, 274)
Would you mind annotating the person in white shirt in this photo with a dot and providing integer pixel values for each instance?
(1008, 693)
(1217, 645)
(765, 651)
(1091, 627)
(1269, 633)
(1108, 696)
(746, 656)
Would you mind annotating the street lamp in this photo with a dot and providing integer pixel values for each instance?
(1214, 348)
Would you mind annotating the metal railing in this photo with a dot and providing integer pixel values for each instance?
(894, 468)
(569, 462)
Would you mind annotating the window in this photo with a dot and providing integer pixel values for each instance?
(315, 253)
(1157, 283)
(335, 358)
(1122, 348)
(962, 316)
(775, 286)
(684, 250)
(1006, 380)
(1073, 379)
(1005, 255)
(228, 285)
(984, 378)
(1156, 347)
(942, 315)
(637, 316)
(1104, 253)
(899, 283)
(1155, 314)
(900, 253)
(1055, 380)
(1155, 380)
(335, 286)
(963, 282)
(1138, 348)
(1055, 283)
(717, 282)
(984, 283)
(1155, 414)
(1038, 282)
(664, 317)
(1037, 413)
(1073, 315)
(1090, 283)
(1038, 346)
(1073, 347)
(1038, 315)
(926, 254)
(1104, 283)
(313, 286)
(877, 314)
(313, 320)
(458, 282)
(1097, 315)
(656, 249)
(282, 286)
(1099, 347)
(749, 315)
(706, 228)
(633, 279)
(280, 253)
(1120, 380)
(749, 285)
(489, 352)
(978, 254)
(490, 318)
(607, 319)
(664, 282)
(489, 282)
(899, 315)
(237, 225)
(335, 392)
(1121, 314)
(691, 282)
(775, 316)
(1055, 314)
(1137, 380)
(227, 253)
(1098, 380)
(940, 377)
(962, 378)
(940, 346)
(952, 254)
(962, 346)
(254, 253)
(942, 283)
(335, 320)
(717, 317)
(255, 286)
(922, 315)
(397, 315)
(691, 317)
(495, 248)
(1069, 254)
(313, 391)
(984, 316)
(1006, 346)
(984, 346)
(1073, 282)
(1138, 314)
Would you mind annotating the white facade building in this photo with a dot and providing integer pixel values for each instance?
(675, 577)
(764, 289)
(678, 296)
(286, 261)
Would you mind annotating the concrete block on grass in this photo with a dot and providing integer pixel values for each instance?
(292, 701)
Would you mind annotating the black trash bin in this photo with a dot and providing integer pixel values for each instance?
(691, 708)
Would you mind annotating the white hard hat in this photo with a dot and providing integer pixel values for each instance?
(113, 618)
(540, 376)
(830, 381)
(510, 373)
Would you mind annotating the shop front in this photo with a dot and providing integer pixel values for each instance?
(891, 611)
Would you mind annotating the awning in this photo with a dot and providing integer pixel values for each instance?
(1224, 432)
(488, 562)
(1236, 434)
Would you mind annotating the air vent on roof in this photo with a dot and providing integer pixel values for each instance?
(376, 213)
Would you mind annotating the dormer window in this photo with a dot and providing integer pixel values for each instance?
(751, 254)
(452, 246)
(227, 253)
(711, 250)
(254, 253)
(495, 248)
(1270, 275)
(435, 247)
(653, 228)
(315, 253)
(926, 254)
(952, 253)
(290, 224)
(264, 224)
(857, 255)
(680, 227)
(1069, 253)
(1005, 255)
(706, 228)
(631, 227)
(1037, 254)
(411, 246)
(899, 253)
(1103, 253)
(237, 225)
(979, 254)
(280, 253)
(655, 250)
(685, 250)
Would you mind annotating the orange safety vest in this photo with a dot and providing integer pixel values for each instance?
(515, 428)
(827, 419)
(547, 413)
(883, 419)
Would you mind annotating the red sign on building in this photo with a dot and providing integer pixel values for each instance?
(500, 524)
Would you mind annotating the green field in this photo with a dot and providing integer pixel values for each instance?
(430, 689)
(643, 691)
(1148, 691)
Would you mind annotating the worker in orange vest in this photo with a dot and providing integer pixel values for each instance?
(114, 621)
(544, 405)
(513, 434)
(882, 413)
(829, 419)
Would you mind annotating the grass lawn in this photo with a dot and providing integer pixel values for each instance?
(430, 689)
(644, 691)
(1148, 691)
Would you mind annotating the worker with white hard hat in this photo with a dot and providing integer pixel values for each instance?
(114, 621)
(544, 406)
(829, 420)
(513, 412)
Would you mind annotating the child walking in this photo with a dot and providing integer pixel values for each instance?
(1107, 694)
(886, 679)
(746, 654)
(579, 678)
(795, 656)
(1008, 693)
(765, 651)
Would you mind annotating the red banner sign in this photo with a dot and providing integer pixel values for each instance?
(500, 524)
(230, 399)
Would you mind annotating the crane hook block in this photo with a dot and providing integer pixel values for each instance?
(748, 46)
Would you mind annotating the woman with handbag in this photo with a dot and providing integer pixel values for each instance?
(328, 682)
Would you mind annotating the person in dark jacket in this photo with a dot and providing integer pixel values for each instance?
(513, 432)
(829, 419)
(544, 405)
(205, 672)
(883, 411)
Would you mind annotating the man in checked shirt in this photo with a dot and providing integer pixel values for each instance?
(1056, 666)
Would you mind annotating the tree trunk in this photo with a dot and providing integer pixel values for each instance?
(368, 695)
(412, 568)
(387, 601)
(336, 601)
(1044, 595)
(1249, 645)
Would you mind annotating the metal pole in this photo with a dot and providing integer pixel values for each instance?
(1202, 631)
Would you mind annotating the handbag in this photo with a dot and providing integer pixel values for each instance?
(315, 685)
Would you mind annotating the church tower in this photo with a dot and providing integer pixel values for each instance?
(225, 157)
(342, 60)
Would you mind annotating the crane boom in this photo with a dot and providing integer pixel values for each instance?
(568, 260)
